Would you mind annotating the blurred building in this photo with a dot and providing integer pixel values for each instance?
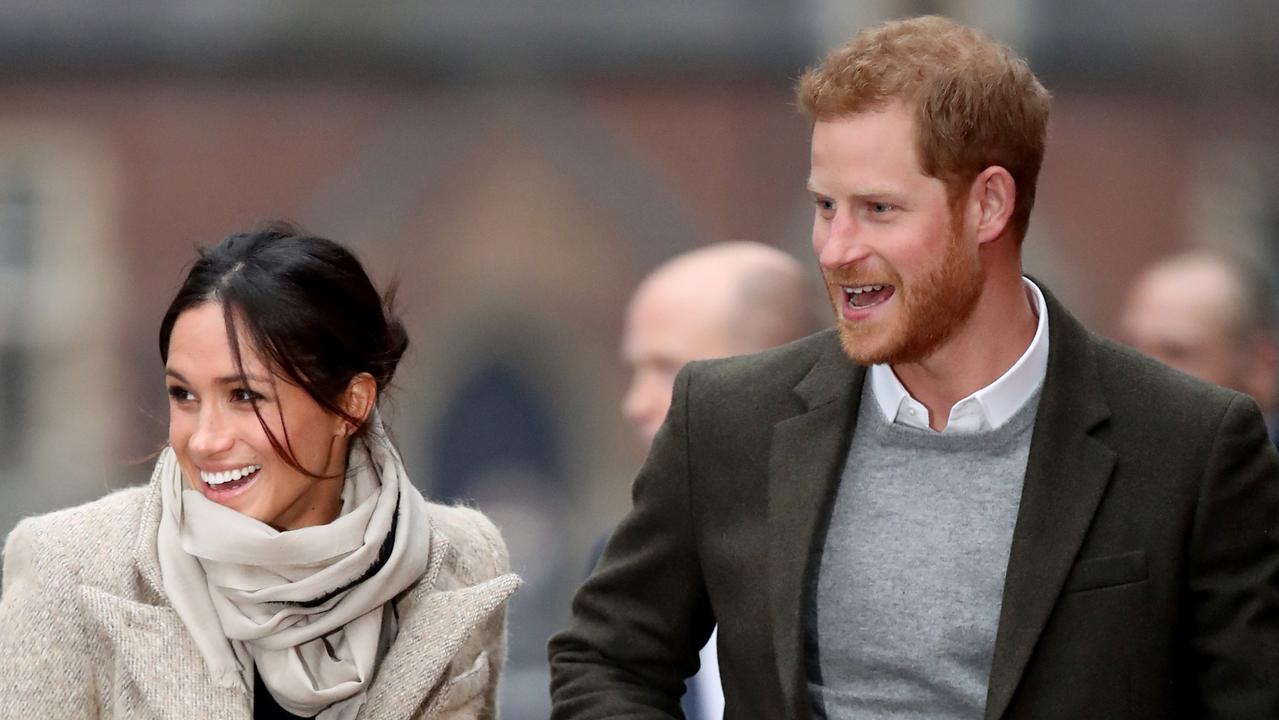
(519, 166)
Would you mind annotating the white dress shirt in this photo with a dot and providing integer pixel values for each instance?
(989, 407)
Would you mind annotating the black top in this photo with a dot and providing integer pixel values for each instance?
(264, 705)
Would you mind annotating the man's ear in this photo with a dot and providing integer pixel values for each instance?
(357, 402)
(994, 196)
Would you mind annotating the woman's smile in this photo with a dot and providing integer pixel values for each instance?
(223, 485)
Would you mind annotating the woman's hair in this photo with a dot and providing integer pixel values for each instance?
(308, 308)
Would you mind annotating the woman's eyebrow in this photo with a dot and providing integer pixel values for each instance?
(224, 380)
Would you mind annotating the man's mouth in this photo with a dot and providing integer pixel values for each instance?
(229, 480)
(864, 296)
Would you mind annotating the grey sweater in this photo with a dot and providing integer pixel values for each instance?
(911, 575)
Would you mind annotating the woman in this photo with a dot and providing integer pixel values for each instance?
(280, 563)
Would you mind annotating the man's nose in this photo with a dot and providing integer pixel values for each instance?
(843, 243)
(638, 402)
(647, 400)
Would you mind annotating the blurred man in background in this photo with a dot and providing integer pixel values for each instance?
(729, 298)
(1212, 316)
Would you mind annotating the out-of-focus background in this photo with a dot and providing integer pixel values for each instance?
(519, 166)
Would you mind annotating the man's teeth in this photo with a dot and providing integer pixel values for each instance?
(862, 289)
(226, 476)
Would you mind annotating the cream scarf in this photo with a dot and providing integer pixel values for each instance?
(306, 606)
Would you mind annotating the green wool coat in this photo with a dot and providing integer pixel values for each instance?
(1143, 580)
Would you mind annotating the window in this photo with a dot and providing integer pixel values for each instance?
(18, 210)
(61, 407)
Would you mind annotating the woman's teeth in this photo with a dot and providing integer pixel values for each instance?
(226, 476)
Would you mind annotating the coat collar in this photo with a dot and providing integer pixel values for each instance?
(1067, 471)
(808, 452)
(435, 619)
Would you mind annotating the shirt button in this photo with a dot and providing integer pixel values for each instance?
(910, 411)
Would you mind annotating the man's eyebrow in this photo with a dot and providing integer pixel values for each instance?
(862, 193)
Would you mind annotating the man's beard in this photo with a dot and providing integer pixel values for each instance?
(933, 308)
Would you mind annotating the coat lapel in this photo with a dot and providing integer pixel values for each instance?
(145, 554)
(1066, 474)
(806, 458)
(158, 669)
(434, 624)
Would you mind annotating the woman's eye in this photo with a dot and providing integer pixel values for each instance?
(245, 395)
(180, 394)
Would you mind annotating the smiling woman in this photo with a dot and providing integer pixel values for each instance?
(280, 559)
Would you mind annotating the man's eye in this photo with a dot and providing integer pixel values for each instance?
(880, 208)
(825, 206)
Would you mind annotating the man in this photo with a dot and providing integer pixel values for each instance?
(960, 504)
(729, 298)
(725, 299)
(1223, 331)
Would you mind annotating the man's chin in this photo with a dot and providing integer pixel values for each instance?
(864, 348)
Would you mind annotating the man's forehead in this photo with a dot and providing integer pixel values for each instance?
(1164, 308)
(863, 155)
(674, 326)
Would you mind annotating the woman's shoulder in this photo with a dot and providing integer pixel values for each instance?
(479, 550)
(87, 540)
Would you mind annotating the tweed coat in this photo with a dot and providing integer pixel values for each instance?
(1142, 582)
(87, 632)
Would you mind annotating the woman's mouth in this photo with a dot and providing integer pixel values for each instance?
(225, 484)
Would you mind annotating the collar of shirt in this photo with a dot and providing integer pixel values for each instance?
(989, 407)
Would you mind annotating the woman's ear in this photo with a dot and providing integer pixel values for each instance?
(357, 402)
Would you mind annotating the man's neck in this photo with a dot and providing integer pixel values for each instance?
(994, 336)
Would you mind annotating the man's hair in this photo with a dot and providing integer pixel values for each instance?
(976, 102)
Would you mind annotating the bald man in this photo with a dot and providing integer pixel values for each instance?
(1212, 316)
(729, 298)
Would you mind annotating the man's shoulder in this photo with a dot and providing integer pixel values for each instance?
(781, 367)
(1158, 392)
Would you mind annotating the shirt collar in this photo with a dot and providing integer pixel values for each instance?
(985, 409)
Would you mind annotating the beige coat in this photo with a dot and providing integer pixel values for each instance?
(87, 632)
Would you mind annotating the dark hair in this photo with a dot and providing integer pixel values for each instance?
(309, 309)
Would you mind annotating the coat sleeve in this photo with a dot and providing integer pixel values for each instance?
(1233, 572)
(495, 647)
(480, 564)
(639, 620)
(45, 668)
